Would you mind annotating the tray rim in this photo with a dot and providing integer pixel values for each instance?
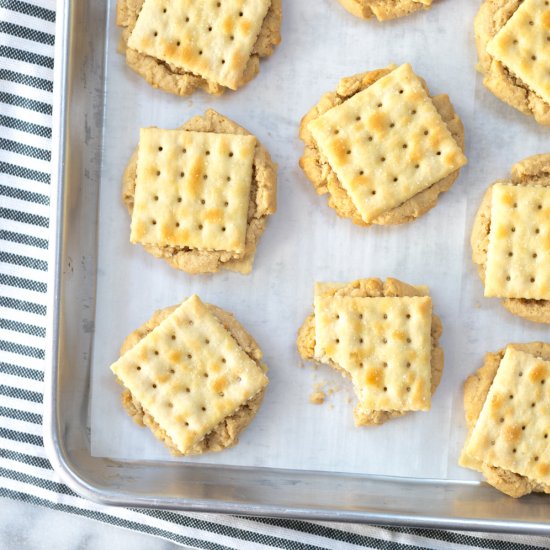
(53, 441)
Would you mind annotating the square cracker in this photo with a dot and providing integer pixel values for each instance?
(189, 374)
(522, 46)
(213, 39)
(384, 343)
(518, 256)
(192, 189)
(513, 428)
(387, 143)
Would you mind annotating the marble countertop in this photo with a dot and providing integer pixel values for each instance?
(25, 526)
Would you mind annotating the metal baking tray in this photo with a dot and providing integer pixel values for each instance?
(78, 146)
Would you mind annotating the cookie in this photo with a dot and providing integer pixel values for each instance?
(384, 10)
(200, 196)
(513, 53)
(193, 375)
(507, 405)
(382, 336)
(510, 239)
(381, 147)
(182, 45)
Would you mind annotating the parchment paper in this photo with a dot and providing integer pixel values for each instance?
(306, 242)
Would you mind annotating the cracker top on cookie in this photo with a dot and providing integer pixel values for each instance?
(189, 374)
(382, 149)
(383, 337)
(199, 196)
(507, 406)
(184, 44)
(384, 9)
(511, 240)
(514, 54)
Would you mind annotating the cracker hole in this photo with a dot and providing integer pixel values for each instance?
(360, 316)
(539, 207)
(155, 33)
(177, 224)
(382, 159)
(160, 148)
(190, 322)
(542, 382)
(223, 61)
(405, 145)
(395, 179)
(361, 340)
(228, 178)
(184, 150)
(532, 279)
(203, 408)
(379, 105)
(164, 10)
(226, 203)
(531, 23)
(172, 371)
(218, 4)
(515, 42)
(408, 388)
(401, 91)
(221, 394)
(409, 340)
(189, 356)
(369, 138)
(417, 166)
(545, 436)
(154, 385)
(492, 443)
(203, 201)
(337, 340)
(200, 52)
(156, 352)
(337, 316)
(178, 43)
(231, 154)
(438, 153)
(510, 254)
(241, 14)
(179, 199)
(520, 373)
(158, 172)
(408, 316)
(209, 29)
(205, 177)
(413, 112)
(514, 450)
(207, 152)
(223, 229)
(534, 57)
(426, 132)
(384, 340)
(138, 368)
(385, 316)
(224, 360)
(373, 192)
(206, 341)
(239, 379)
(361, 364)
(187, 19)
(200, 226)
(171, 405)
(385, 365)
(511, 396)
(187, 390)
(173, 336)
(392, 125)
(533, 405)
(205, 375)
(187, 423)
(348, 152)
(156, 197)
(154, 222)
(357, 118)
(385, 388)
(501, 420)
(408, 365)
(336, 132)
(536, 459)
(182, 175)
(508, 277)
(537, 230)
(232, 37)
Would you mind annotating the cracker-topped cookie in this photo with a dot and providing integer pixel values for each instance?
(511, 240)
(507, 404)
(382, 336)
(381, 147)
(190, 373)
(514, 54)
(181, 45)
(199, 196)
(384, 10)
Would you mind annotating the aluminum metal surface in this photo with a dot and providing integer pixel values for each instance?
(77, 144)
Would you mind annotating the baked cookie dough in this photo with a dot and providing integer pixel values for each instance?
(382, 336)
(513, 53)
(192, 415)
(384, 9)
(381, 147)
(507, 418)
(512, 253)
(176, 45)
(208, 245)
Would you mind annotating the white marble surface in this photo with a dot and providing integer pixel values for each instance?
(25, 526)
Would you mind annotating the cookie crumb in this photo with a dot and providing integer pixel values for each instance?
(317, 397)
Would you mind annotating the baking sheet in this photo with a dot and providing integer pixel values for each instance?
(305, 242)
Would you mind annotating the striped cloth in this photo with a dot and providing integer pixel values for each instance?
(26, 62)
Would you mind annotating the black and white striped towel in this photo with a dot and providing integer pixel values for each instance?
(26, 62)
